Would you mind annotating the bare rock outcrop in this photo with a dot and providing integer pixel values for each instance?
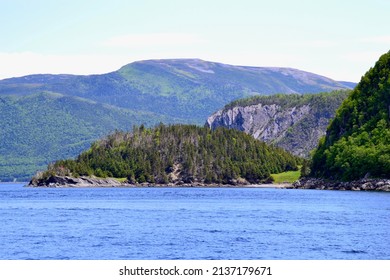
(67, 181)
(358, 185)
(274, 124)
(292, 122)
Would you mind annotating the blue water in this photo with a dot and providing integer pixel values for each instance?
(192, 223)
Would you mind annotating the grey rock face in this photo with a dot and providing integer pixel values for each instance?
(267, 123)
(284, 127)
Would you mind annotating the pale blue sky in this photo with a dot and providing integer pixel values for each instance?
(335, 38)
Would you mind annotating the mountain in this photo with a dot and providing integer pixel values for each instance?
(179, 88)
(45, 117)
(38, 128)
(176, 154)
(357, 142)
(293, 122)
(350, 85)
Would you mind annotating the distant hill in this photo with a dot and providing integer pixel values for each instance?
(293, 122)
(178, 88)
(357, 142)
(38, 128)
(176, 154)
(350, 85)
(45, 117)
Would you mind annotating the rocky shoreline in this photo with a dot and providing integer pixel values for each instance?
(94, 182)
(358, 185)
(304, 183)
(72, 182)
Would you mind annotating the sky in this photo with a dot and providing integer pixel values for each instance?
(340, 39)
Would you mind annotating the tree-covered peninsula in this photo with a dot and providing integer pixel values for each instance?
(176, 154)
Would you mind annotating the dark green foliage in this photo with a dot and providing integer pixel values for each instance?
(39, 128)
(358, 140)
(323, 103)
(305, 168)
(174, 153)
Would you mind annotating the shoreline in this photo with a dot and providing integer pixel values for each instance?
(93, 182)
(379, 185)
(382, 185)
(164, 186)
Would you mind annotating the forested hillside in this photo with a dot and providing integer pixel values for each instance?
(178, 153)
(39, 128)
(357, 142)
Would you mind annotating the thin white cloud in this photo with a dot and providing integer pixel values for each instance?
(377, 39)
(154, 39)
(314, 44)
(363, 57)
(322, 44)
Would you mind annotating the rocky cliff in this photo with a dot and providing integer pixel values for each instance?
(293, 122)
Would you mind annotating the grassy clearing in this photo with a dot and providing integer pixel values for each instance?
(121, 180)
(286, 177)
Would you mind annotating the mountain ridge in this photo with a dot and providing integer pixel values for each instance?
(189, 89)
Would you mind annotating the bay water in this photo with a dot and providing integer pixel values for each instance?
(192, 223)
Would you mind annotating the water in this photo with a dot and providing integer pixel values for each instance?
(192, 223)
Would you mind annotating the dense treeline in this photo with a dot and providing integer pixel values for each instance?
(187, 153)
(321, 102)
(357, 143)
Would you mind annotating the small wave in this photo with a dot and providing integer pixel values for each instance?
(213, 231)
(354, 251)
(107, 237)
(316, 249)
(242, 239)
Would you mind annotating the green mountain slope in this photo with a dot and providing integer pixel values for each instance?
(293, 122)
(178, 88)
(357, 142)
(177, 154)
(40, 128)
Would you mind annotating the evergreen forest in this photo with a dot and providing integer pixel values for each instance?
(178, 153)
